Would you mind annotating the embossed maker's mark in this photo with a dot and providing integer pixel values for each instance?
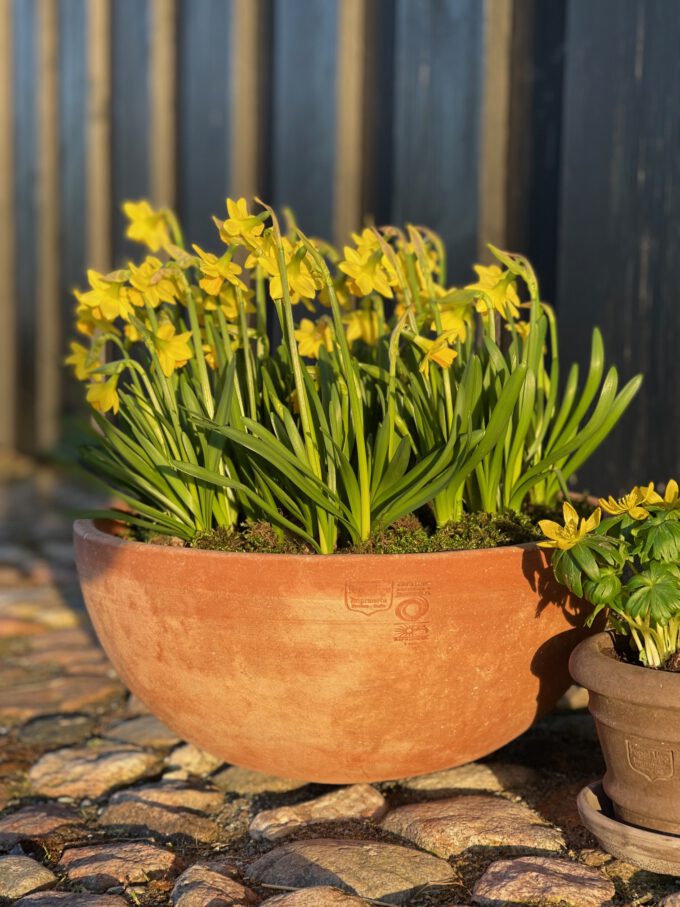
(653, 763)
(411, 632)
(368, 596)
(412, 608)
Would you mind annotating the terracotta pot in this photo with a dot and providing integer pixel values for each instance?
(339, 668)
(637, 715)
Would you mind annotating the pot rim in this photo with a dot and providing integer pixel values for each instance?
(591, 664)
(88, 530)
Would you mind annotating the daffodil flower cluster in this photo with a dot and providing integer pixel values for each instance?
(627, 564)
(269, 376)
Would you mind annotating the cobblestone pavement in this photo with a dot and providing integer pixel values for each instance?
(100, 804)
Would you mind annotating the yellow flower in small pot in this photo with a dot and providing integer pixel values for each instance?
(82, 360)
(575, 528)
(632, 503)
(240, 224)
(369, 272)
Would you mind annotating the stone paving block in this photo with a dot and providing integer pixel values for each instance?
(474, 776)
(91, 771)
(99, 867)
(21, 875)
(211, 884)
(36, 823)
(360, 801)
(542, 882)
(143, 730)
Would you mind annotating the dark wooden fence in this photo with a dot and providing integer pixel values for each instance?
(550, 126)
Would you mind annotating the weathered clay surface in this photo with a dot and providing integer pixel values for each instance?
(367, 868)
(448, 827)
(543, 881)
(361, 801)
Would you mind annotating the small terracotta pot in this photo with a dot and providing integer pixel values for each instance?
(334, 668)
(637, 714)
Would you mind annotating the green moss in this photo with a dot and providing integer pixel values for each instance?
(251, 537)
(407, 535)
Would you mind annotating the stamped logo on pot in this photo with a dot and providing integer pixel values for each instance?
(652, 762)
(369, 596)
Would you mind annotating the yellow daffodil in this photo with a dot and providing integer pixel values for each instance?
(228, 302)
(523, 328)
(82, 360)
(108, 297)
(103, 395)
(362, 325)
(173, 349)
(367, 241)
(301, 282)
(146, 225)
(632, 503)
(369, 273)
(437, 351)
(216, 271)
(240, 224)
(149, 282)
(670, 497)
(311, 336)
(574, 529)
(455, 316)
(501, 291)
(210, 355)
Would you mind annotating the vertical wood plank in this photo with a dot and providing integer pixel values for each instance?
(304, 126)
(438, 104)
(205, 139)
(163, 103)
(73, 110)
(350, 120)
(99, 134)
(130, 115)
(620, 220)
(247, 74)
(7, 244)
(493, 172)
(25, 136)
(48, 326)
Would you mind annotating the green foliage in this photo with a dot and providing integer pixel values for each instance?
(352, 422)
(629, 564)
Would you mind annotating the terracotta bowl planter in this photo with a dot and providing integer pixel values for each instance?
(637, 714)
(333, 669)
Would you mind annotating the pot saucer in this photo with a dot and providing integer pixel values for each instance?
(650, 850)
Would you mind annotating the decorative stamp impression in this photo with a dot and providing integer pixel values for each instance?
(653, 763)
(411, 632)
(368, 596)
(412, 608)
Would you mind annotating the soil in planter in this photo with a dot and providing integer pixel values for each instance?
(623, 651)
(408, 535)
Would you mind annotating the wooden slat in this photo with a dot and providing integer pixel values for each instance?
(7, 243)
(25, 223)
(438, 103)
(73, 108)
(163, 103)
(493, 174)
(247, 74)
(304, 126)
(99, 135)
(204, 117)
(130, 115)
(350, 119)
(48, 323)
(620, 220)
